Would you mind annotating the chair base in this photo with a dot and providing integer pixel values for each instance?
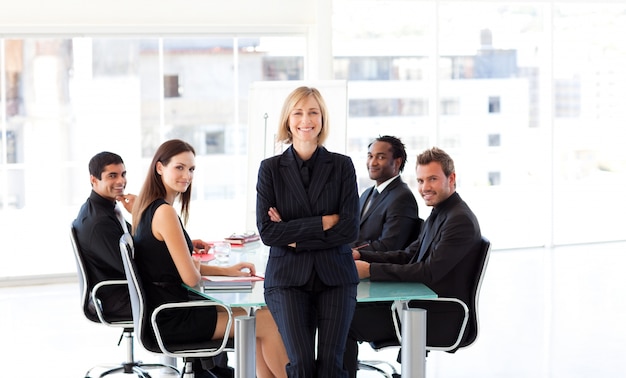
(136, 368)
(372, 365)
(187, 369)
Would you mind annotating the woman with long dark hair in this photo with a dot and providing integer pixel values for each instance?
(163, 253)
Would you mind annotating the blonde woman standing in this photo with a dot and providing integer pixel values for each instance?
(307, 212)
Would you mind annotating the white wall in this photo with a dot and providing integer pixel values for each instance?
(111, 15)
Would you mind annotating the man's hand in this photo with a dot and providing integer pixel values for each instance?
(127, 200)
(363, 267)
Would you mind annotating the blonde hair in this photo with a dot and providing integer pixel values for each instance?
(284, 134)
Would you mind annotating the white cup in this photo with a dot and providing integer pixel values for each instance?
(221, 251)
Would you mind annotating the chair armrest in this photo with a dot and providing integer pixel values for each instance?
(455, 301)
(98, 304)
(193, 352)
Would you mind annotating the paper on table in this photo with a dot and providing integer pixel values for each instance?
(240, 239)
(232, 279)
(227, 285)
(204, 257)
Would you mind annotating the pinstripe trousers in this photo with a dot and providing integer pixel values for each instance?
(302, 311)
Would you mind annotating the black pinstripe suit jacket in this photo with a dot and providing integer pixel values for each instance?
(332, 190)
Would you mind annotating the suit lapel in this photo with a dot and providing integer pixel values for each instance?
(365, 215)
(363, 201)
(379, 200)
(429, 236)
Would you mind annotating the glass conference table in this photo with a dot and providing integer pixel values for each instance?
(413, 319)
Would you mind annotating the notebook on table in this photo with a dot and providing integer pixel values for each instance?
(229, 283)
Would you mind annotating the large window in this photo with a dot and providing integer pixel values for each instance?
(589, 163)
(66, 99)
(524, 96)
(527, 97)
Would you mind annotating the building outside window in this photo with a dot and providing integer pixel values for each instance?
(494, 104)
(512, 112)
(67, 99)
(519, 116)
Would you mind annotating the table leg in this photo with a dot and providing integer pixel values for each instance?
(413, 343)
(245, 347)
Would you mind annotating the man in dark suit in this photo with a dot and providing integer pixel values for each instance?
(389, 214)
(443, 257)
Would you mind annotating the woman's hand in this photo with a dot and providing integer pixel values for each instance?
(242, 269)
(200, 246)
(329, 221)
(274, 215)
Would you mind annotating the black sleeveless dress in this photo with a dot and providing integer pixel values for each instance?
(163, 284)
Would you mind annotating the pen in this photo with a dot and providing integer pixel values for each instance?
(361, 246)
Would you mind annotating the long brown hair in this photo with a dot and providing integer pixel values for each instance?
(153, 187)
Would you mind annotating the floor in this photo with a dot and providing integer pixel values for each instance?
(557, 312)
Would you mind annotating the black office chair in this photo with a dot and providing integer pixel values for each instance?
(451, 324)
(91, 300)
(143, 319)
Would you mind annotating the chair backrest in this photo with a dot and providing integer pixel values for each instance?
(103, 300)
(146, 329)
(451, 323)
(137, 297)
(137, 300)
(473, 326)
(83, 282)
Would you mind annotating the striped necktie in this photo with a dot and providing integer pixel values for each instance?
(370, 200)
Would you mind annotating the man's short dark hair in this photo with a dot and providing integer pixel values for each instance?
(397, 147)
(101, 160)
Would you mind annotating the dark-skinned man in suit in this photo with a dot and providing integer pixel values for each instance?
(389, 214)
